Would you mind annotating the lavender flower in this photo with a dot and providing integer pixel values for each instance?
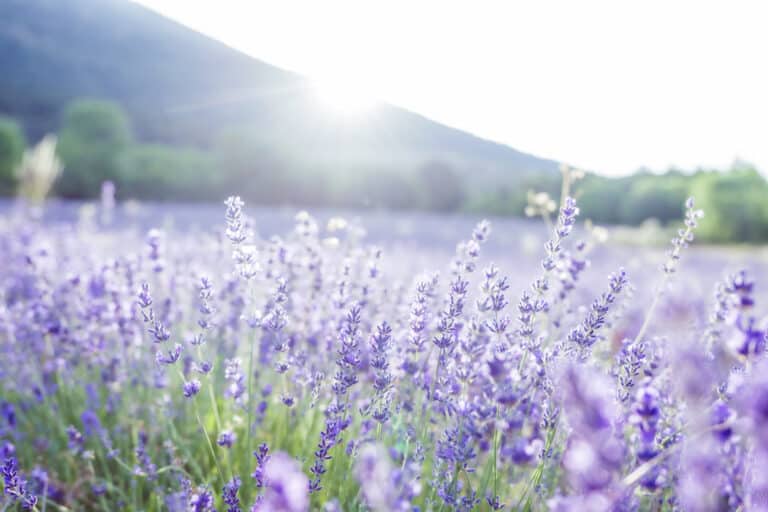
(594, 455)
(329, 438)
(374, 471)
(382, 379)
(337, 420)
(402, 380)
(262, 456)
(531, 304)
(418, 313)
(145, 466)
(234, 215)
(233, 374)
(154, 240)
(446, 337)
(145, 299)
(286, 487)
(229, 495)
(348, 359)
(75, 440)
(585, 334)
(753, 403)
(684, 236)
(170, 357)
(226, 439)
(201, 500)
(15, 486)
(647, 416)
(565, 223)
(630, 361)
(191, 388)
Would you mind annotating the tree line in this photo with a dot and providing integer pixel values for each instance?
(96, 144)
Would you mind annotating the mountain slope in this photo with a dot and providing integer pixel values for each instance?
(181, 87)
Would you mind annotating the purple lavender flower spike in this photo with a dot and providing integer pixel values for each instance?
(15, 487)
(229, 495)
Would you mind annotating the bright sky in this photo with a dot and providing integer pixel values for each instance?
(608, 86)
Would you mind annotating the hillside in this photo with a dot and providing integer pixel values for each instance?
(181, 87)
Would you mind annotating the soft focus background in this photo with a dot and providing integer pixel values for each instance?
(169, 114)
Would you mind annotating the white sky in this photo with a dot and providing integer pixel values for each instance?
(609, 86)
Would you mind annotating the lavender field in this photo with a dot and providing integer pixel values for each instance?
(227, 357)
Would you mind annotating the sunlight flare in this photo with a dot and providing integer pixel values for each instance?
(343, 96)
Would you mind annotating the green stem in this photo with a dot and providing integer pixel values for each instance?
(538, 472)
(495, 452)
(249, 426)
(208, 440)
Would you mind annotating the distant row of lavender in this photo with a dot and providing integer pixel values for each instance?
(221, 371)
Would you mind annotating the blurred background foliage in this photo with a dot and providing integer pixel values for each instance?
(12, 145)
(96, 143)
(92, 139)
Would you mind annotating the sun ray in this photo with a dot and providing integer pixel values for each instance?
(342, 96)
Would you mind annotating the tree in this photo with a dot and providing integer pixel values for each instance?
(600, 198)
(734, 204)
(12, 144)
(659, 197)
(93, 135)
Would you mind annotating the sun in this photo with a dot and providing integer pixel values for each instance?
(343, 97)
